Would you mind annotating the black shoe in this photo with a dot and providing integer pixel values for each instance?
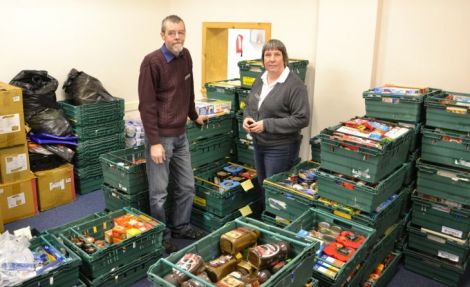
(169, 246)
(188, 233)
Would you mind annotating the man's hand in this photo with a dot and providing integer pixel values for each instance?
(157, 152)
(201, 119)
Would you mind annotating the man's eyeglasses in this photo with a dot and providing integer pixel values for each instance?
(174, 33)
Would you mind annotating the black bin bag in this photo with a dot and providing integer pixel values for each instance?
(51, 121)
(82, 88)
(38, 91)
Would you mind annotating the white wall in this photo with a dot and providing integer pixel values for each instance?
(426, 43)
(105, 38)
(351, 45)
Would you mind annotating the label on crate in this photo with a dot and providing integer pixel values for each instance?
(463, 163)
(199, 201)
(60, 184)
(456, 110)
(122, 187)
(16, 163)
(277, 204)
(342, 214)
(441, 208)
(447, 174)
(391, 100)
(9, 123)
(447, 255)
(248, 81)
(246, 210)
(436, 238)
(451, 231)
(16, 200)
(247, 185)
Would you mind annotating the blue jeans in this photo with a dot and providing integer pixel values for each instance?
(270, 160)
(177, 166)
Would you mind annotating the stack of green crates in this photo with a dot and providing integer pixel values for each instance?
(212, 141)
(295, 273)
(123, 260)
(215, 205)
(100, 129)
(439, 231)
(315, 146)
(125, 179)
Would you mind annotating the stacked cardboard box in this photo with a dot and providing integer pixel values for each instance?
(17, 183)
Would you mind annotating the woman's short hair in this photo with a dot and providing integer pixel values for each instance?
(275, 44)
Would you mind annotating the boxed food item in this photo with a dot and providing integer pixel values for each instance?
(14, 163)
(18, 199)
(12, 130)
(55, 186)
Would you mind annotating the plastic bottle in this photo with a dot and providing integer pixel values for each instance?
(237, 239)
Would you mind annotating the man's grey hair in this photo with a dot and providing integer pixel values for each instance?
(172, 19)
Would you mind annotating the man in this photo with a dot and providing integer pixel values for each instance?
(166, 100)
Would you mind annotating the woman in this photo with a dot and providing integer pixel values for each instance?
(277, 109)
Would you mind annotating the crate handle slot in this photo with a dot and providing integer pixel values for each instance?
(344, 224)
(462, 162)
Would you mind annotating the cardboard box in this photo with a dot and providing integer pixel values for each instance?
(18, 199)
(55, 186)
(12, 131)
(14, 163)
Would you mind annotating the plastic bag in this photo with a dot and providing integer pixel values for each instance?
(51, 121)
(85, 89)
(38, 91)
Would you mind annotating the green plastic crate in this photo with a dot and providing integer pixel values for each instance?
(379, 221)
(294, 273)
(366, 163)
(438, 245)
(204, 151)
(225, 90)
(221, 124)
(125, 275)
(356, 194)
(65, 274)
(125, 169)
(88, 152)
(90, 114)
(440, 218)
(98, 130)
(315, 146)
(242, 94)
(285, 201)
(210, 222)
(273, 219)
(251, 69)
(209, 196)
(396, 107)
(118, 254)
(312, 217)
(242, 134)
(115, 199)
(444, 182)
(245, 153)
(88, 178)
(434, 268)
(448, 114)
(446, 147)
